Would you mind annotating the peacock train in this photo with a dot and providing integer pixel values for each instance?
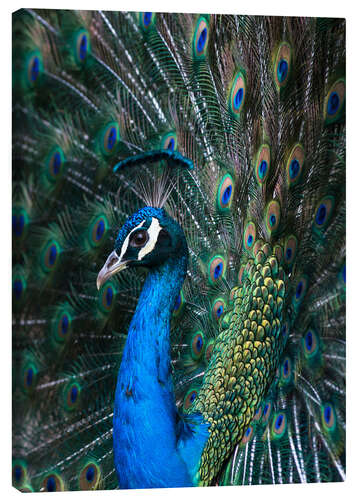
(179, 269)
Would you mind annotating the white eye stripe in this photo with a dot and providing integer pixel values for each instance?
(153, 233)
(126, 241)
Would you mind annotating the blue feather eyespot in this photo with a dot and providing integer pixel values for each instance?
(34, 68)
(266, 412)
(89, 476)
(107, 298)
(218, 309)
(61, 327)
(19, 472)
(335, 101)
(279, 425)
(300, 291)
(286, 371)
(18, 287)
(197, 345)
(189, 399)
(282, 66)
(225, 193)
(52, 482)
(50, 256)
(179, 304)
(209, 350)
(310, 343)
(109, 139)
(294, 165)
(324, 212)
(258, 413)
(72, 396)
(200, 39)
(282, 71)
(81, 46)
(169, 141)
(249, 236)
(216, 268)
(55, 164)
(147, 20)
(98, 231)
(290, 249)
(262, 164)
(272, 216)
(29, 377)
(328, 417)
(20, 221)
(237, 95)
(248, 435)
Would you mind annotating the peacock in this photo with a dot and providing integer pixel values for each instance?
(179, 269)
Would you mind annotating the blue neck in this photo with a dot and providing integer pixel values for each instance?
(145, 415)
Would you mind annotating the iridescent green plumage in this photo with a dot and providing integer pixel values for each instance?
(256, 105)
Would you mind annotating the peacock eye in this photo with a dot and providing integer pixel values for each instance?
(139, 238)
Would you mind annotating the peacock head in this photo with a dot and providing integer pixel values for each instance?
(148, 238)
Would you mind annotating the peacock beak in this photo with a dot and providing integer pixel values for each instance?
(113, 265)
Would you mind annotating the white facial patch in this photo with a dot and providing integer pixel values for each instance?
(153, 233)
(126, 241)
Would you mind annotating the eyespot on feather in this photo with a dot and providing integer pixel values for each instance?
(89, 476)
(189, 398)
(34, 68)
(200, 39)
(216, 269)
(19, 472)
(147, 20)
(335, 101)
(20, 221)
(328, 417)
(71, 395)
(324, 212)
(107, 298)
(208, 351)
(237, 95)
(262, 164)
(294, 165)
(29, 377)
(286, 371)
(248, 435)
(61, 327)
(50, 256)
(272, 216)
(179, 305)
(218, 308)
(282, 65)
(310, 344)
(249, 236)
(169, 141)
(300, 291)
(279, 425)
(81, 46)
(52, 482)
(197, 345)
(266, 412)
(109, 139)
(98, 231)
(54, 164)
(290, 249)
(225, 193)
(19, 286)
